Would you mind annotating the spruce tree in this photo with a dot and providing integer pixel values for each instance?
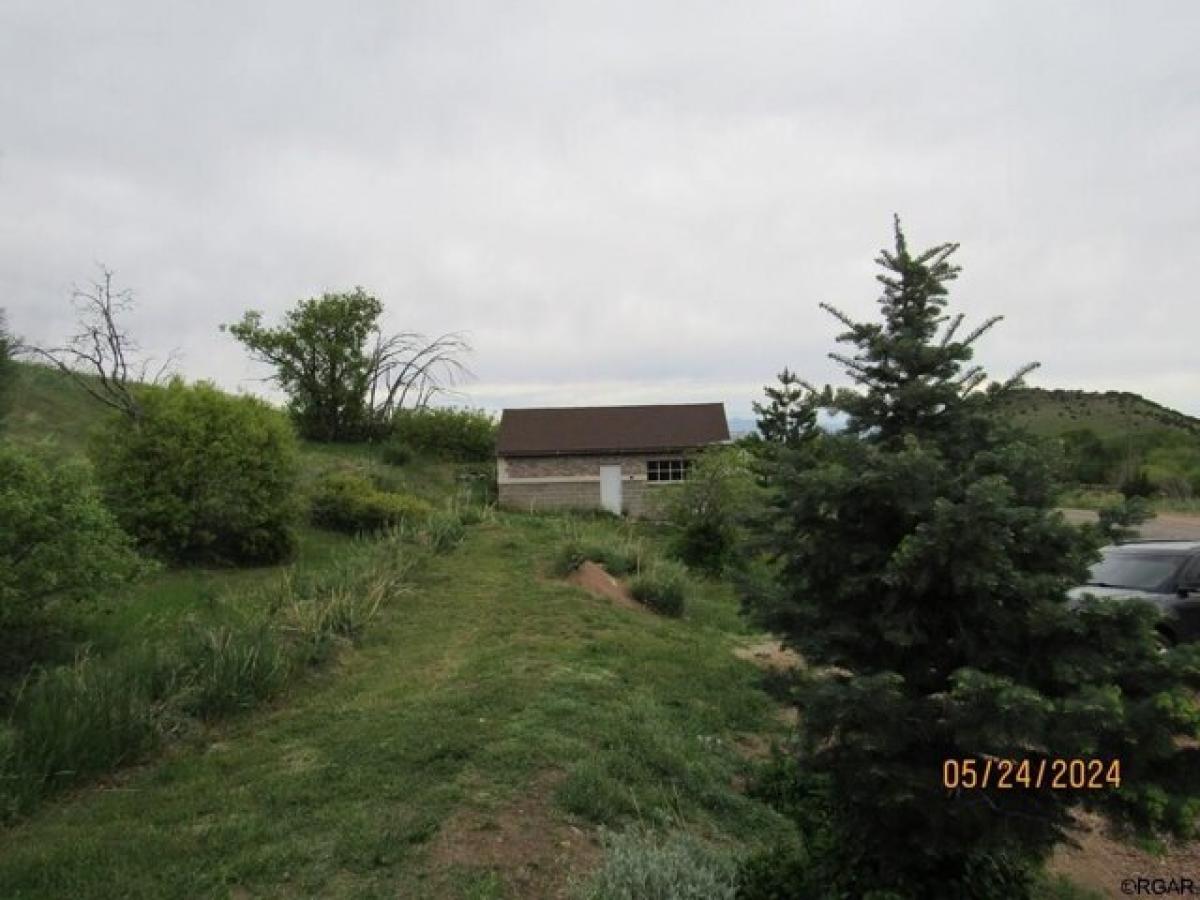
(923, 575)
(8, 369)
(791, 415)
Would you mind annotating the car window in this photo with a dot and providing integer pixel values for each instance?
(1139, 571)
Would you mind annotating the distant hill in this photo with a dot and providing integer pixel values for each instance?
(1053, 412)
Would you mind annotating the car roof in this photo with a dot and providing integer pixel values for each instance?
(1181, 548)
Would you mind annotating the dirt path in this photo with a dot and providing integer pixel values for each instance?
(1166, 526)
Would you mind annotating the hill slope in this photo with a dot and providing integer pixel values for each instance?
(1053, 412)
(47, 405)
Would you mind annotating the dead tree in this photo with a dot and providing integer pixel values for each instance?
(407, 370)
(101, 357)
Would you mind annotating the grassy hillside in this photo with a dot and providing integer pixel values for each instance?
(47, 406)
(468, 749)
(1109, 414)
(491, 719)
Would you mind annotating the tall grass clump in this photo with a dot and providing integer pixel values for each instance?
(619, 556)
(339, 613)
(73, 721)
(662, 587)
(231, 669)
(442, 531)
(640, 866)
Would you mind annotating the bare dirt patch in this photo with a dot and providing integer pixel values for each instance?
(597, 582)
(525, 843)
(770, 655)
(1100, 862)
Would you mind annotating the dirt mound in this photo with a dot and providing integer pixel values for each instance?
(524, 843)
(1100, 862)
(597, 582)
(770, 655)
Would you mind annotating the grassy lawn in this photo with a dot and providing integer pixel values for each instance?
(489, 695)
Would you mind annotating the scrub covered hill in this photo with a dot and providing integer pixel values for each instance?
(1113, 413)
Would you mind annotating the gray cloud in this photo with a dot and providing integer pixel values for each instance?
(619, 201)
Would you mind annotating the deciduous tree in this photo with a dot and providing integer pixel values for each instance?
(345, 378)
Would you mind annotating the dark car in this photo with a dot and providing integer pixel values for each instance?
(1165, 573)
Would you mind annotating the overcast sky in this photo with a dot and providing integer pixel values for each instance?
(620, 202)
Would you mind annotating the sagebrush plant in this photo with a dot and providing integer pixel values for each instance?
(662, 586)
(348, 501)
(202, 476)
(923, 573)
(640, 865)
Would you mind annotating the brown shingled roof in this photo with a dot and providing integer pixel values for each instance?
(610, 429)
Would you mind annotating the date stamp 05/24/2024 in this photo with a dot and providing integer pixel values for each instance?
(989, 772)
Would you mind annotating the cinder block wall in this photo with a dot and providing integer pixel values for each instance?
(579, 487)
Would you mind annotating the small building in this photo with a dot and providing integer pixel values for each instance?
(608, 457)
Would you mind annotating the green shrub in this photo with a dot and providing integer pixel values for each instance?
(349, 502)
(711, 507)
(464, 435)
(231, 669)
(57, 539)
(396, 453)
(640, 866)
(202, 476)
(662, 587)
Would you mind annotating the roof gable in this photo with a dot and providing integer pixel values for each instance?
(610, 429)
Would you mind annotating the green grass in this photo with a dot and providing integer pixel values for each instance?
(47, 406)
(1051, 413)
(461, 694)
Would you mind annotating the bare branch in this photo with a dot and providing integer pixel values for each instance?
(97, 358)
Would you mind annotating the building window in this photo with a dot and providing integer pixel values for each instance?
(667, 469)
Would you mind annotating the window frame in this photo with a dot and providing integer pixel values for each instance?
(667, 470)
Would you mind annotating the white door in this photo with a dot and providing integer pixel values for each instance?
(610, 488)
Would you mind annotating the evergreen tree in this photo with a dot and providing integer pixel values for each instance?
(8, 369)
(923, 574)
(791, 414)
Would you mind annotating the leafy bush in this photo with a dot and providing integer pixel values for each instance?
(662, 587)
(639, 866)
(712, 506)
(396, 453)
(202, 476)
(56, 536)
(347, 501)
(463, 435)
(231, 669)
